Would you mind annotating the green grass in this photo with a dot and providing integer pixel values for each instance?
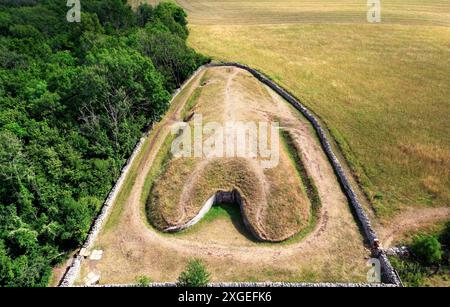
(192, 101)
(124, 193)
(307, 186)
(218, 211)
(158, 167)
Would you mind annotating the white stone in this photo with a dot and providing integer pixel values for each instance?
(96, 254)
(92, 279)
(84, 252)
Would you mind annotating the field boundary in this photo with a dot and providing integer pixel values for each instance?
(389, 275)
(253, 284)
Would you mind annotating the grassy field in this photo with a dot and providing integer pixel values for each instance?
(269, 12)
(382, 89)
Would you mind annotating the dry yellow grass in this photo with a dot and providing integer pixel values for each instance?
(269, 12)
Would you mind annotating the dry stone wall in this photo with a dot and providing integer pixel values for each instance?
(398, 251)
(203, 211)
(258, 285)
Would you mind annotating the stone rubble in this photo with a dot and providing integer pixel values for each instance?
(96, 255)
(398, 251)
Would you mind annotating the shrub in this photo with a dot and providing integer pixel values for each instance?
(144, 281)
(411, 273)
(427, 249)
(195, 275)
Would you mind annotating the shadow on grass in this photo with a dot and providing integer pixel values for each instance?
(228, 211)
(235, 215)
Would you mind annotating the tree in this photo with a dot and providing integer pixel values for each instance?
(74, 100)
(6, 273)
(144, 14)
(170, 54)
(114, 15)
(427, 249)
(173, 17)
(195, 275)
(120, 91)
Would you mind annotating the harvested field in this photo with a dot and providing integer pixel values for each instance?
(330, 247)
(271, 12)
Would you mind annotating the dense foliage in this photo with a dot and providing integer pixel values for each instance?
(427, 249)
(411, 272)
(429, 261)
(195, 275)
(74, 99)
(445, 236)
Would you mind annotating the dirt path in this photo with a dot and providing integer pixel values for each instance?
(334, 248)
(228, 115)
(410, 220)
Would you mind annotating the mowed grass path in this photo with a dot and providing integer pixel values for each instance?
(382, 89)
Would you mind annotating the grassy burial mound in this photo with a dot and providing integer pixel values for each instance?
(273, 201)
